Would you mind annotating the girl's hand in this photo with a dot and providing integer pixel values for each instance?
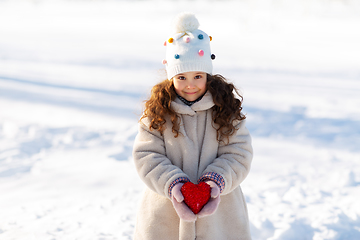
(182, 210)
(211, 207)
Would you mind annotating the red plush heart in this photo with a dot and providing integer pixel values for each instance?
(196, 195)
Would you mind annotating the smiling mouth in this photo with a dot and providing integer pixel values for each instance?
(190, 92)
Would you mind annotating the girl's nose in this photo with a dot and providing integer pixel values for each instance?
(190, 84)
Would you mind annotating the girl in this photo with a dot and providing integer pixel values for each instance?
(192, 130)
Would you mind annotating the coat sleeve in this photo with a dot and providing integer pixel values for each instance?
(152, 165)
(234, 159)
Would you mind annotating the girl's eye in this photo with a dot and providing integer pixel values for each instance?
(182, 78)
(198, 76)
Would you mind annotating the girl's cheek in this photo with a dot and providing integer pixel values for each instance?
(177, 86)
(203, 86)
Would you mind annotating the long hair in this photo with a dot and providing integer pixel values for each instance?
(227, 108)
(159, 106)
(226, 111)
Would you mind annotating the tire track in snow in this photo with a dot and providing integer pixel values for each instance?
(114, 103)
(338, 133)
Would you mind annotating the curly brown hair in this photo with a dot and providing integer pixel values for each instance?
(226, 110)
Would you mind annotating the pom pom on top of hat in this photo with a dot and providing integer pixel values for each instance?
(185, 22)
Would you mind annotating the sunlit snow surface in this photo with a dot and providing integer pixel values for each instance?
(73, 75)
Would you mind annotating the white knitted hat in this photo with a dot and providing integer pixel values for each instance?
(188, 49)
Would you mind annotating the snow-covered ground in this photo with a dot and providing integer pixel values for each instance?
(73, 75)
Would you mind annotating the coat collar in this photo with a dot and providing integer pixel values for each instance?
(204, 104)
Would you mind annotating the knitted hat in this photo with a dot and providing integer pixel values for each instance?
(188, 49)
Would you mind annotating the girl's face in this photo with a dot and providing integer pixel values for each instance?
(190, 85)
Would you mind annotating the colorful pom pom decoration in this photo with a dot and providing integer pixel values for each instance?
(187, 39)
(164, 62)
(201, 53)
(201, 36)
(210, 38)
(212, 56)
(177, 56)
(171, 40)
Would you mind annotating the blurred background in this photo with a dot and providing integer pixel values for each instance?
(73, 78)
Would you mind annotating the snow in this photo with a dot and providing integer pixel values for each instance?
(73, 77)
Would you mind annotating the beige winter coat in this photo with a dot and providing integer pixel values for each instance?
(160, 160)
